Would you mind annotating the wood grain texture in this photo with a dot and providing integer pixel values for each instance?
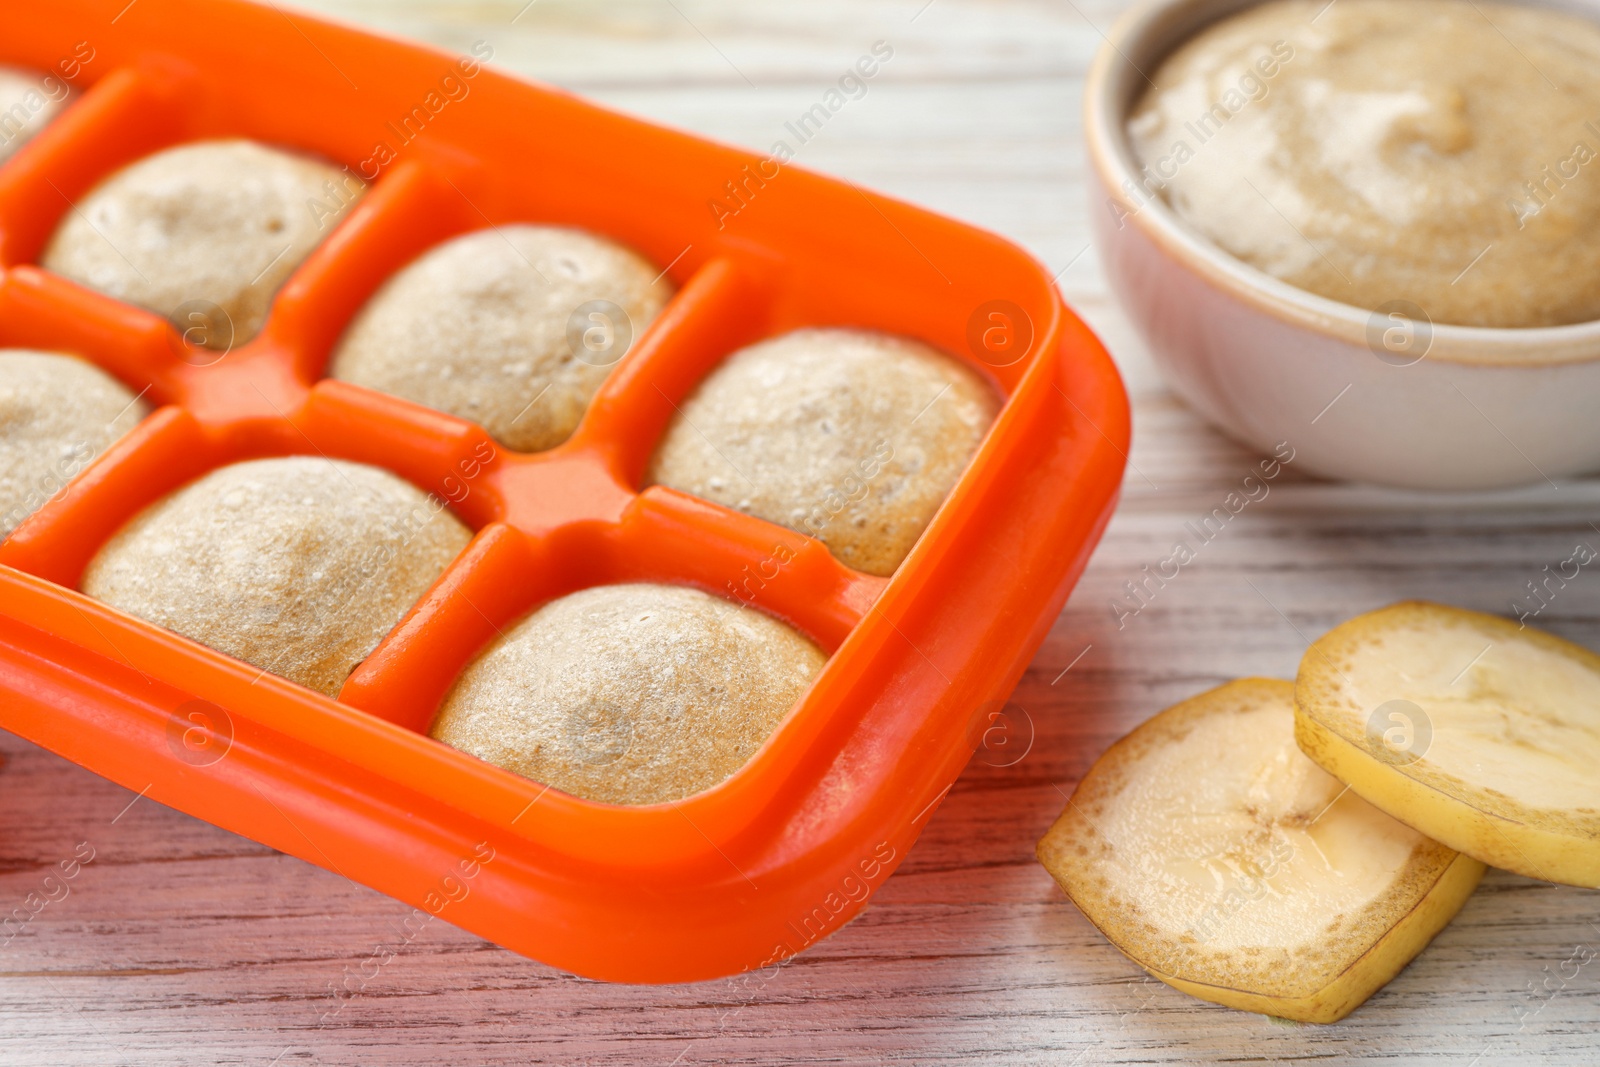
(182, 944)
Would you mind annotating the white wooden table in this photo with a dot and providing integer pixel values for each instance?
(182, 944)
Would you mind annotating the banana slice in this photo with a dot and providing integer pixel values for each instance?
(1225, 863)
(1481, 734)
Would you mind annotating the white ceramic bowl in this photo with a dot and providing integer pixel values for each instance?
(1356, 394)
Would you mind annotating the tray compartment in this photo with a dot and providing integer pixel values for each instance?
(130, 113)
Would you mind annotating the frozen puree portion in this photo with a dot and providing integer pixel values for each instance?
(850, 436)
(514, 327)
(630, 694)
(299, 565)
(57, 414)
(1438, 152)
(203, 233)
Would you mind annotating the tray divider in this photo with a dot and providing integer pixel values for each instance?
(58, 540)
(400, 216)
(127, 114)
(747, 561)
(47, 312)
(478, 597)
(439, 453)
(723, 306)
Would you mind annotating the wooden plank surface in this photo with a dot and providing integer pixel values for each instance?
(181, 944)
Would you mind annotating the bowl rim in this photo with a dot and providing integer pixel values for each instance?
(1140, 39)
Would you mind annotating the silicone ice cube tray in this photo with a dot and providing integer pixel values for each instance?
(788, 849)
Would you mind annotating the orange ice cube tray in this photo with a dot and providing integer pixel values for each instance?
(740, 876)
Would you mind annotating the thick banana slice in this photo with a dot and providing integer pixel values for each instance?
(1481, 734)
(1225, 863)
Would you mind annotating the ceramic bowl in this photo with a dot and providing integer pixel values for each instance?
(1383, 397)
